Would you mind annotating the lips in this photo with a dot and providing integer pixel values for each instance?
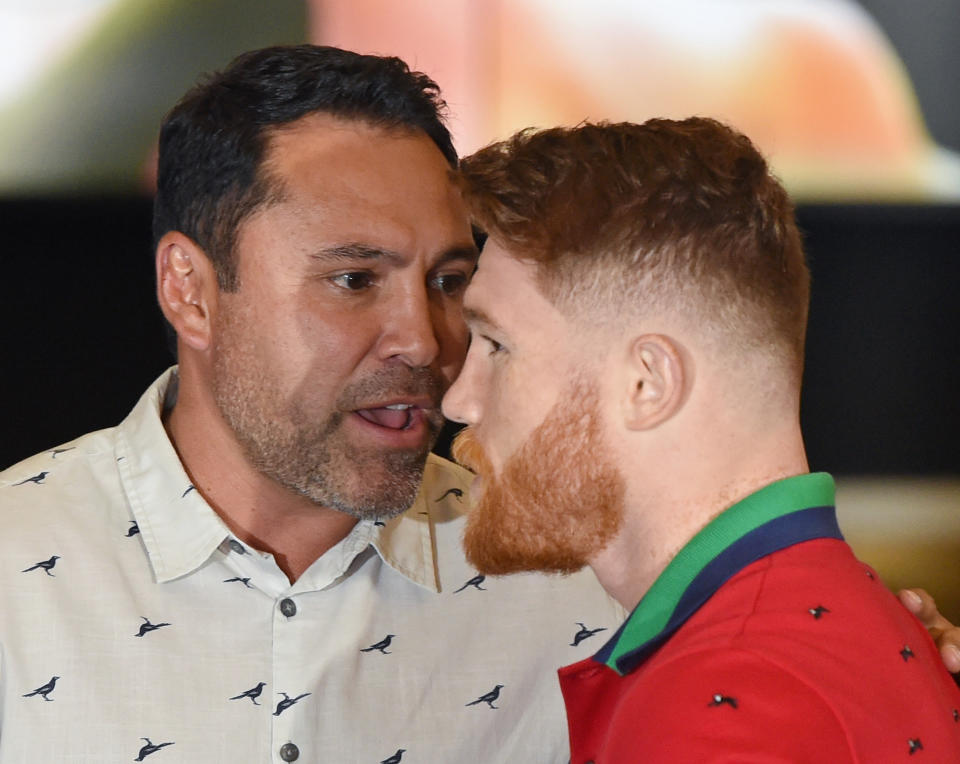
(394, 417)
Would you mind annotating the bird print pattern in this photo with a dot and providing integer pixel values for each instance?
(381, 646)
(156, 615)
(585, 633)
(35, 479)
(488, 697)
(45, 565)
(149, 748)
(287, 702)
(146, 627)
(44, 690)
(475, 583)
(252, 694)
(457, 493)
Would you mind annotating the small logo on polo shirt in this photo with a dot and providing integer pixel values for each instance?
(719, 700)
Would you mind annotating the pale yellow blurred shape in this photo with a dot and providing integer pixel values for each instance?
(908, 528)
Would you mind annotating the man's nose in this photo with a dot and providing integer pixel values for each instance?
(410, 329)
(461, 402)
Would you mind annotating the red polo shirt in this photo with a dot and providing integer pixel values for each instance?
(766, 640)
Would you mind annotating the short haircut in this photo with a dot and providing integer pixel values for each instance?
(213, 142)
(677, 215)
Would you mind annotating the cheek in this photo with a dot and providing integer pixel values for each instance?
(322, 348)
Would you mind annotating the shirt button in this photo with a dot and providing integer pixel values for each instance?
(289, 752)
(289, 608)
(237, 547)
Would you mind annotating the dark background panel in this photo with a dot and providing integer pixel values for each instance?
(83, 337)
(882, 373)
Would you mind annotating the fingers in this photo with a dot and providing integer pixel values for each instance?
(949, 644)
(923, 606)
(944, 633)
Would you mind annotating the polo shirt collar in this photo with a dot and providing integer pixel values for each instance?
(779, 515)
(180, 531)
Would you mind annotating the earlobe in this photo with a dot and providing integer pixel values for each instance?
(655, 381)
(186, 288)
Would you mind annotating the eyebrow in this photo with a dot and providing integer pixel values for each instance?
(357, 251)
(475, 316)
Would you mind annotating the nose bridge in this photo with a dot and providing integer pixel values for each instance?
(462, 402)
(409, 331)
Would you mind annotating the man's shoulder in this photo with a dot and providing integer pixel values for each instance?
(43, 493)
(72, 457)
(783, 641)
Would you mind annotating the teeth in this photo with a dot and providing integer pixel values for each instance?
(399, 406)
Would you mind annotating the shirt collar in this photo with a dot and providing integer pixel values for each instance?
(408, 542)
(777, 516)
(181, 531)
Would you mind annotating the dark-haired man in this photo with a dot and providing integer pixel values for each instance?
(633, 386)
(262, 562)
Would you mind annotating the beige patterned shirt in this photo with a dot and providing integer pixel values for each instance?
(135, 627)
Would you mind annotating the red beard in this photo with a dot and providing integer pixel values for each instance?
(558, 501)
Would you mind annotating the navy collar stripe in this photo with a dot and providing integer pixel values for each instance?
(779, 533)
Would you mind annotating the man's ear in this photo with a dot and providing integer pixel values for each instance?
(655, 381)
(186, 288)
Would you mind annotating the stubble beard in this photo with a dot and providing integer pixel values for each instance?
(309, 454)
(558, 501)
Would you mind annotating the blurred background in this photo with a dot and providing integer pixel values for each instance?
(855, 103)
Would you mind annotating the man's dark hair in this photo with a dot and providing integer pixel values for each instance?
(213, 142)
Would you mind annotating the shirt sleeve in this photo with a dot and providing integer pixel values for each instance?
(726, 706)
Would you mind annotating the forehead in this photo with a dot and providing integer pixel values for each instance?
(504, 295)
(365, 179)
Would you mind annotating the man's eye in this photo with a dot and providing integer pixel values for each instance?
(354, 281)
(451, 284)
(493, 347)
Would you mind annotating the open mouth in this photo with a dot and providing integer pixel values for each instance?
(397, 416)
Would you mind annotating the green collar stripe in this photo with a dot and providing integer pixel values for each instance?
(775, 500)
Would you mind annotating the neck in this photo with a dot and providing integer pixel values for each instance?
(258, 510)
(669, 502)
